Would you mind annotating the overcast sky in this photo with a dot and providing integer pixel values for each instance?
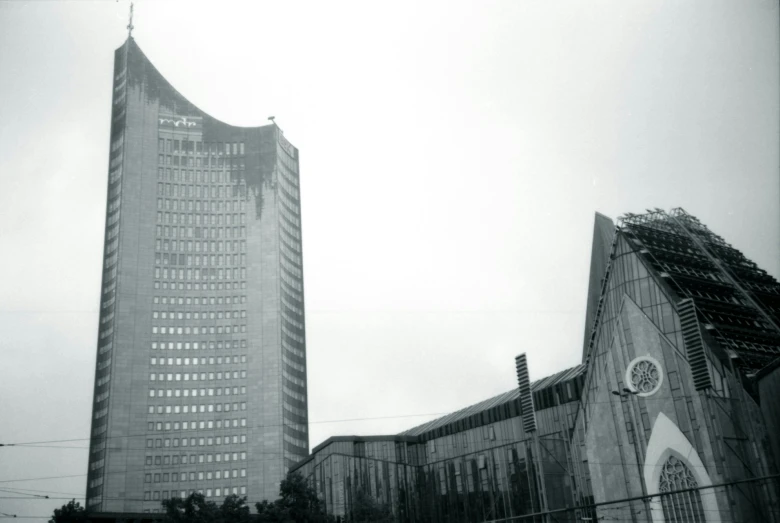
(452, 157)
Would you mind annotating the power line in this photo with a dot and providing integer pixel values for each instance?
(44, 491)
(32, 446)
(344, 311)
(187, 467)
(38, 479)
(644, 497)
(199, 431)
(346, 420)
(24, 493)
(187, 451)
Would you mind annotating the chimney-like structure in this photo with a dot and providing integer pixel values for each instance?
(526, 398)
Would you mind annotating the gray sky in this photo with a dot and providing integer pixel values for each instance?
(452, 157)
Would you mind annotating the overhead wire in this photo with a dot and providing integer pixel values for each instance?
(147, 434)
(345, 420)
(24, 493)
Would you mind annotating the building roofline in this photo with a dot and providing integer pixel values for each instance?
(134, 47)
(354, 439)
(423, 431)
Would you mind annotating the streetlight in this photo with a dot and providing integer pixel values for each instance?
(626, 392)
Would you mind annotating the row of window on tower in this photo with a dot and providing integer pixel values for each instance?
(197, 300)
(192, 459)
(197, 273)
(236, 164)
(204, 176)
(164, 285)
(186, 315)
(185, 409)
(193, 376)
(201, 206)
(203, 441)
(192, 425)
(197, 245)
(175, 393)
(181, 191)
(199, 330)
(174, 218)
(198, 232)
(158, 443)
(181, 146)
(195, 345)
(165, 477)
(212, 360)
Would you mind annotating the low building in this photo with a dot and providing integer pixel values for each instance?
(482, 463)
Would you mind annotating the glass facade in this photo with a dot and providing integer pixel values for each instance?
(477, 464)
(201, 369)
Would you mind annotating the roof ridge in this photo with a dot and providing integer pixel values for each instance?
(493, 401)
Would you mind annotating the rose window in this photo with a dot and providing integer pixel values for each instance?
(644, 376)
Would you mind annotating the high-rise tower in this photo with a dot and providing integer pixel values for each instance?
(200, 378)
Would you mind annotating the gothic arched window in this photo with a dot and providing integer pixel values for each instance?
(680, 507)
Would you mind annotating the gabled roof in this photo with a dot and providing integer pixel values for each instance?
(735, 300)
(501, 399)
(603, 234)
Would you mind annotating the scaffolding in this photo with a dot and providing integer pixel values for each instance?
(737, 302)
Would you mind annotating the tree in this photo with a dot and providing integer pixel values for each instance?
(297, 503)
(195, 509)
(73, 512)
(234, 510)
(366, 509)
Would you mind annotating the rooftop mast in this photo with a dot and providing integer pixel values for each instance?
(130, 24)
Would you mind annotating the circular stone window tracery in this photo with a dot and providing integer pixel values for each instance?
(644, 376)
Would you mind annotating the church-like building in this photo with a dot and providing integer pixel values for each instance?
(672, 416)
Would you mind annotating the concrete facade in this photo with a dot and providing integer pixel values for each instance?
(201, 367)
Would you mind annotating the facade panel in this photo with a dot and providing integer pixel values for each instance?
(477, 464)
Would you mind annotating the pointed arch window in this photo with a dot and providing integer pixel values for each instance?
(681, 507)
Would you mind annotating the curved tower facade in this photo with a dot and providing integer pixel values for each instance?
(200, 380)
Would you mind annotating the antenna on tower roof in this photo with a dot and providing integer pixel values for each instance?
(130, 25)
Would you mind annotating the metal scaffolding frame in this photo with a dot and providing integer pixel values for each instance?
(736, 301)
